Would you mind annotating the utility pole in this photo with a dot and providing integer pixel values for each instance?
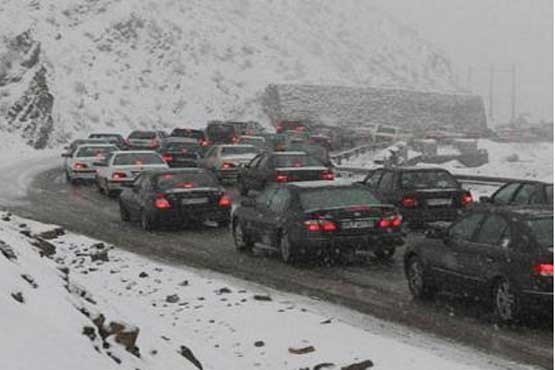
(491, 75)
(513, 93)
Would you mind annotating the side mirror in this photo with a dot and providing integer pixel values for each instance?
(248, 202)
(486, 200)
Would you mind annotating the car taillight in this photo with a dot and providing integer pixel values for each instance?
(224, 201)
(119, 175)
(320, 226)
(161, 202)
(409, 202)
(204, 143)
(227, 165)
(235, 140)
(280, 177)
(544, 269)
(79, 166)
(466, 199)
(167, 157)
(391, 221)
(327, 175)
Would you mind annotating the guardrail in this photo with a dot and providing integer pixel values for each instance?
(347, 154)
(467, 179)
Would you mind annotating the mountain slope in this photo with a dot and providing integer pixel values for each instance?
(129, 64)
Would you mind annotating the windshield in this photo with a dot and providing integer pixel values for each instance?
(326, 198)
(428, 180)
(185, 181)
(183, 147)
(296, 160)
(238, 150)
(142, 135)
(542, 229)
(131, 159)
(95, 151)
(183, 132)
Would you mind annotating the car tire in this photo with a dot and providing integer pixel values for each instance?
(243, 189)
(147, 224)
(240, 238)
(287, 250)
(223, 223)
(505, 301)
(124, 213)
(68, 177)
(420, 284)
(98, 186)
(384, 254)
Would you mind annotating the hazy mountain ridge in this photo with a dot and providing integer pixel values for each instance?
(114, 64)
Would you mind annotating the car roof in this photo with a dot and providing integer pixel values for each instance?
(95, 145)
(188, 140)
(526, 181)
(236, 146)
(164, 171)
(135, 152)
(412, 169)
(290, 153)
(338, 183)
(103, 134)
(251, 137)
(187, 129)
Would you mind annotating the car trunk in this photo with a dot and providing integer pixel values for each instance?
(289, 174)
(183, 157)
(133, 171)
(189, 201)
(437, 198)
(144, 143)
(352, 220)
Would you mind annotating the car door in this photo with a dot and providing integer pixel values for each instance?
(210, 158)
(524, 194)
(132, 196)
(386, 187)
(505, 194)
(249, 171)
(448, 262)
(487, 252)
(273, 216)
(373, 179)
(254, 215)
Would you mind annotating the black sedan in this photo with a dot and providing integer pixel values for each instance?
(272, 167)
(310, 218)
(174, 197)
(180, 152)
(423, 195)
(116, 139)
(501, 254)
(521, 193)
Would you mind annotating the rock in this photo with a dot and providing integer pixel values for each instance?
(184, 283)
(259, 343)
(18, 296)
(52, 234)
(143, 275)
(47, 249)
(323, 365)
(90, 332)
(7, 251)
(98, 246)
(262, 297)
(174, 298)
(367, 364)
(224, 290)
(188, 354)
(128, 338)
(22, 226)
(328, 321)
(6, 218)
(512, 158)
(301, 350)
(30, 280)
(100, 256)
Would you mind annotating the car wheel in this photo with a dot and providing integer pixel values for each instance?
(287, 251)
(505, 301)
(98, 186)
(223, 223)
(419, 282)
(68, 178)
(240, 238)
(146, 222)
(243, 189)
(384, 253)
(124, 213)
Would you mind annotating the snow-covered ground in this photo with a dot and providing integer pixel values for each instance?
(49, 306)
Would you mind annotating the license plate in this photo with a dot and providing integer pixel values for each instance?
(194, 201)
(358, 224)
(439, 202)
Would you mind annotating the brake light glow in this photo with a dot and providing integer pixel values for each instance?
(204, 143)
(161, 202)
(320, 226)
(227, 165)
(168, 157)
(186, 185)
(119, 176)
(224, 201)
(467, 199)
(79, 166)
(409, 202)
(327, 175)
(235, 139)
(281, 178)
(390, 222)
(544, 269)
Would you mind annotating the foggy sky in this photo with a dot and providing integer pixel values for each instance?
(482, 32)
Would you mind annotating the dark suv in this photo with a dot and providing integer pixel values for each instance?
(218, 132)
(307, 218)
(423, 195)
(502, 254)
(190, 133)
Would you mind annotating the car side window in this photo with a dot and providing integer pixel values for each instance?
(263, 199)
(505, 194)
(493, 230)
(255, 161)
(465, 228)
(264, 161)
(373, 179)
(524, 194)
(386, 182)
(138, 182)
(280, 201)
(210, 152)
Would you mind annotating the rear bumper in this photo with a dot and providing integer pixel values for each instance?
(228, 176)
(364, 242)
(180, 217)
(114, 186)
(419, 217)
(88, 175)
(534, 299)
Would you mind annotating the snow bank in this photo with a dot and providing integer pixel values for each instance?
(183, 316)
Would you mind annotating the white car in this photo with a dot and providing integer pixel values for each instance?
(123, 166)
(225, 160)
(79, 166)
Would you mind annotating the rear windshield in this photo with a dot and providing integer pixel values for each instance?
(326, 198)
(542, 229)
(220, 130)
(90, 151)
(296, 160)
(142, 135)
(252, 141)
(130, 159)
(183, 132)
(183, 147)
(428, 180)
(549, 193)
(185, 181)
(237, 150)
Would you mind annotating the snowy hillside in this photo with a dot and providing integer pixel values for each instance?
(126, 64)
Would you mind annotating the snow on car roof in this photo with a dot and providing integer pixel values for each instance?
(236, 146)
(290, 153)
(176, 139)
(251, 137)
(95, 145)
(135, 152)
(321, 183)
(301, 168)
